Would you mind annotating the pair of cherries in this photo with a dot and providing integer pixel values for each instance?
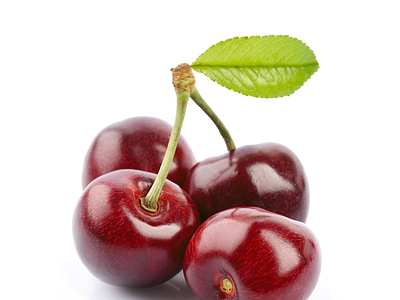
(233, 222)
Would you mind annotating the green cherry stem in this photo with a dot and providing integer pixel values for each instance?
(196, 97)
(183, 80)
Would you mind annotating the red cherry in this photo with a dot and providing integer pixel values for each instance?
(250, 253)
(267, 175)
(136, 143)
(123, 244)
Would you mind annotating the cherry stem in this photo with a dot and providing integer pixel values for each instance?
(196, 97)
(183, 81)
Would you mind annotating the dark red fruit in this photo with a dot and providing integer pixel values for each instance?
(249, 253)
(123, 244)
(136, 143)
(266, 175)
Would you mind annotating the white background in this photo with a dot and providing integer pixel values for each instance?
(70, 68)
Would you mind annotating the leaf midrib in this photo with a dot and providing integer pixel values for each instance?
(256, 66)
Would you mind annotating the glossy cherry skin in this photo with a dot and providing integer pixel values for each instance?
(267, 175)
(136, 143)
(263, 255)
(123, 244)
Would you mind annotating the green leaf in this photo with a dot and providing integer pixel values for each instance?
(260, 66)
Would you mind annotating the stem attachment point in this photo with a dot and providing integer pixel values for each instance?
(146, 207)
(226, 286)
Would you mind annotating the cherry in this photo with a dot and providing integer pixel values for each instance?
(131, 227)
(136, 143)
(250, 253)
(267, 175)
(124, 244)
